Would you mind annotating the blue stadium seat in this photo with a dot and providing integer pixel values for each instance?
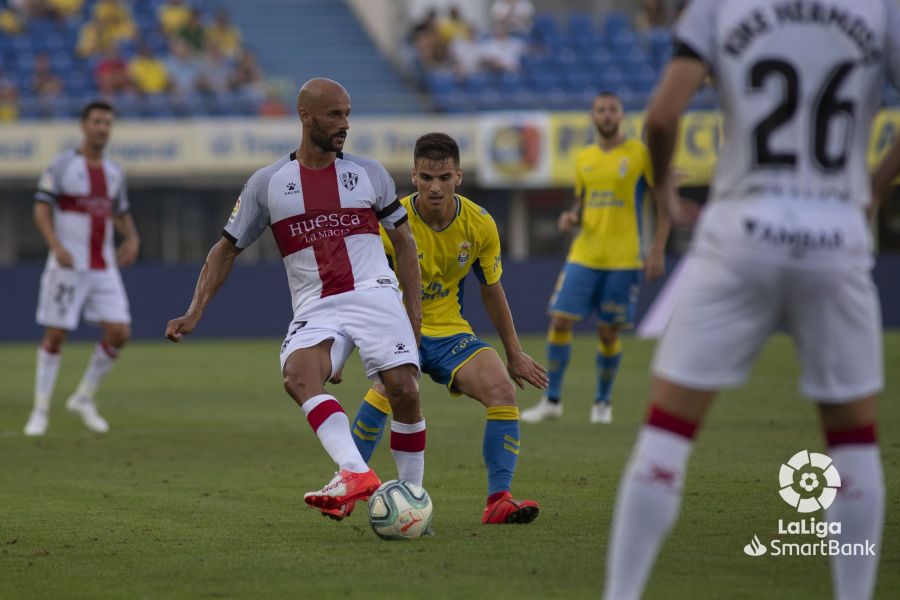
(580, 26)
(616, 22)
(476, 83)
(509, 83)
(440, 82)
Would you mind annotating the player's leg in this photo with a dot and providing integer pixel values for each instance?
(60, 300)
(859, 505)
(370, 421)
(49, 356)
(571, 301)
(401, 387)
(305, 371)
(83, 401)
(723, 317)
(839, 342)
(615, 305)
(649, 496)
(107, 305)
(484, 378)
(609, 355)
(377, 322)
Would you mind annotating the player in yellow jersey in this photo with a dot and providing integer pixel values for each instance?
(603, 269)
(455, 236)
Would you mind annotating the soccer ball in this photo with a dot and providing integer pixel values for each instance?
(399, 510)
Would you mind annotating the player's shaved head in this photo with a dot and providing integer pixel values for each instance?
(319, 92)
(324, 109)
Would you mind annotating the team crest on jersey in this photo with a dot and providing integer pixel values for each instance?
(462, 256)
(623, 167)
(235, 210)
(348, 180)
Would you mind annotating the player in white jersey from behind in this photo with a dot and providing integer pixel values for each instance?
(323, 208)
(81, 198)
(784, 242)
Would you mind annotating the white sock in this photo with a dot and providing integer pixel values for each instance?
(646, 509)
(101, 362)
(408, 449)
(859, 507)
(45, 378)
(331, 424)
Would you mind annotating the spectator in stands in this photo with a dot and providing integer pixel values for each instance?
(427, 41)
(193, 32)
(273, 106)
(216, 72)
(182, 68)
(148, 73)
(30, 9)
(453, 26)
(466, 54)
(110, 25)
(45, 84)
(503, 53)
(514, 16)
(247, 76)
(223, 35)
(652, 15)
(9, 100)
(11, 21)
(111, 73)
(173, 16)
(66, 9)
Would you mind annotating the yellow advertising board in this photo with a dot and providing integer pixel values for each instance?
(698, 142)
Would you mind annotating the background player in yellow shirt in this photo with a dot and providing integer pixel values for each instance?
(455, 236)
(603, 269)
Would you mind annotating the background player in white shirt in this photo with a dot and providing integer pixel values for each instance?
(81, 197)
(784, 242)
(324, 208)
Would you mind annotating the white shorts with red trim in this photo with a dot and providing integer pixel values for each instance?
(726, 309)
(66, 294)
(371, 319)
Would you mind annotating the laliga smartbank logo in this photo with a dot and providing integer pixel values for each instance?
(808, 482)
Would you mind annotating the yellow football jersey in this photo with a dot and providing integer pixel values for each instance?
(469, 243)
(611, 186)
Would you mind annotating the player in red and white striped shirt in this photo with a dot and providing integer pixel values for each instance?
(324, 207)
(81, 197)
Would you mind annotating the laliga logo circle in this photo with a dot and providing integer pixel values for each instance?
(809, 481)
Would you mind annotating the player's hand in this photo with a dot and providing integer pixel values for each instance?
(337, 377)
(127, 252)
(567, 220)
(180, 327)
(655, 265)
(522, 367)
(63, 257)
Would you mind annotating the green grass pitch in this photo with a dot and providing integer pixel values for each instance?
(196, 492)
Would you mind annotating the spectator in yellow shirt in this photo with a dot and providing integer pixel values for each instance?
(9, 100)
(110, 25)
(148, 73)
(223, 35)
(66, 9)
(173, 16)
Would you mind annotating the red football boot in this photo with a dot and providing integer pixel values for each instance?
(506, 509)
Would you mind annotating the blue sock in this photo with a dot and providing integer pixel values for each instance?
(559, 347)
(608, 359)
(501, 447)
(369, 424)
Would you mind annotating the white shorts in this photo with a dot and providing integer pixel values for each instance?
(727, 308)
(371, 319)
(66, 293)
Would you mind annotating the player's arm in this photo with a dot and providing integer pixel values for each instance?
(127, 252)
(655, 265)
(212, 276)
(521, 367)
(408, 273)
(43, 219)
(888, 170)
(682, 78)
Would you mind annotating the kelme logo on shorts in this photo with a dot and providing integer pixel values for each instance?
(809, 481)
